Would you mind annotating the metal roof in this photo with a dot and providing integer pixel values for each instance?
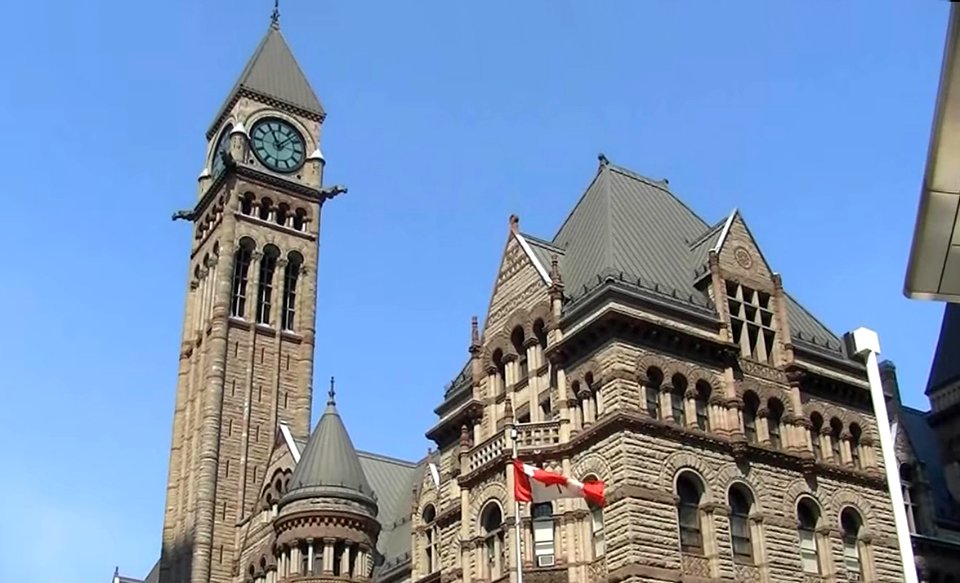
(627, 223)
(329, 465)
(273, 73)
(933, 270)
(946, 363)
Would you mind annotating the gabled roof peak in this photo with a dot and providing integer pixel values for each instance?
(273, 75)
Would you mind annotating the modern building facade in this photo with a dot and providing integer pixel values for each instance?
(640, 345)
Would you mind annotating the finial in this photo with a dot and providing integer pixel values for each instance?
(514, 223)
(474, 331)
(331, 394)
(555, 268)
(603, 159)
(275, 17)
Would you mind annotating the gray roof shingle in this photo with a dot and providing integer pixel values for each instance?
(628, 224)
(329, 465)
(273, 72)
(946, 363)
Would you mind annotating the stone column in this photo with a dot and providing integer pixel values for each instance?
(328, 554)
(763, 429)
(279, 288)
(211, 418)
(295, 560)
(310, 554)
(690, 407)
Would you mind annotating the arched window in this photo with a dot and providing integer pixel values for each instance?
(855, 434)
(491, 523)
(246, 204)
(751, 404)
(300, 219)
(678, 410)
(595, 395)
(241, 272)
(291, 274)
(283, 211)
(816, 425)
(517, 339)
(703, 405)
(268, 264)
(808, 515)
(836, 428)
(774, 415)
(266, 208)
(651, 392)
(500, 374)
(740, 502)
(850, 525)
(907, 481)
(597, 532)
(540, 331)
(431, 539)
(542, 527)
(690, 492)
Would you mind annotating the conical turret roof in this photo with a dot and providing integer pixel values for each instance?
(329, 466)
(272, 73)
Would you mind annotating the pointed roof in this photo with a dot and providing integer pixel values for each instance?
(946, 366)
(273, 74)
(329, 466)
(632, 227)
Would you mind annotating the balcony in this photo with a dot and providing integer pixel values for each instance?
(538, 435)
(487, 451)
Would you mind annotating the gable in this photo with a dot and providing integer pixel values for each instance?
(740, 256)
(521, 284)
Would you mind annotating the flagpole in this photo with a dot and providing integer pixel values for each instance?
(516, 509)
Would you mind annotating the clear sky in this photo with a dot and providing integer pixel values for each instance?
(444, 118)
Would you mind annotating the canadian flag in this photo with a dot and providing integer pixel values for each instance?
(531, 484)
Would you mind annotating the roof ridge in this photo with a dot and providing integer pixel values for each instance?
(542, 242)
(385, 458)
(662, 185)
(580, 200)
(910, 409)
(706, 234)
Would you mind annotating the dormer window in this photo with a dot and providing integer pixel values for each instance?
(751, 321)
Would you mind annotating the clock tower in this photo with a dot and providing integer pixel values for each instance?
(246, 354)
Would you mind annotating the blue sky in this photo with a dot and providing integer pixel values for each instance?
(444, 118)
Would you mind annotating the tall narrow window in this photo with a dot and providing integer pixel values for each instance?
(517, 338)
(690, 491)
(268, 265)
(304, 559)
(431, 539)
(703, 405)
(751, 321)
(677, 406)
(775, 414)
(494, 540)
(542, 525)
(291, 275)
(850, 524)
(318, 560)
(906, 485)
(751, 404)
(836, 429)
(241, 269)
(597, 531)
(651, 391)
(807, 517)
(740, 503)
(855, 434)
(816, 426)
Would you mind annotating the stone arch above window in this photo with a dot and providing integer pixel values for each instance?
(680, 461)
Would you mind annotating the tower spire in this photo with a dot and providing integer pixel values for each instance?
(331, 395)
(275, 16)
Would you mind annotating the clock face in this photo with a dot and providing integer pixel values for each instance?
(223, 144)
(278, 145)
